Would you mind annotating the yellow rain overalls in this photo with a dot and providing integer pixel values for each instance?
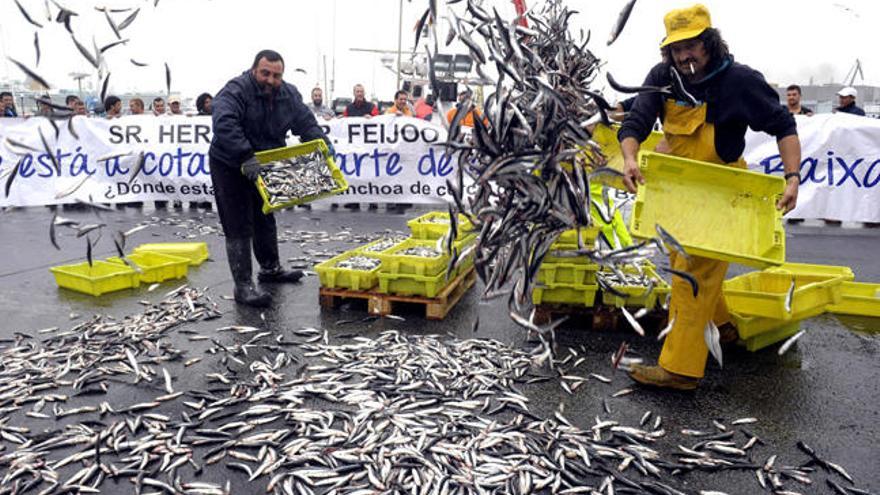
(688, 135)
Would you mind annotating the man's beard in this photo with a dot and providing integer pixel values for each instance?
(318, 103)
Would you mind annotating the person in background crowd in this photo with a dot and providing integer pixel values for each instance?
(468, 120)
(43, 109)
(318, 108)
(158, 106)
(425, 108)
(136, 106)
(76, 104)
(360, 107)
(113, 107)
(174, 105)
(401, 106)
(254, 112)
(204, 104)
(7, 105)
(847, 99)
(793, 99)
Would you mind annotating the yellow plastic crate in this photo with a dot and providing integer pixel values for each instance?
(751, 326)
(773, 336)
(195, 252)
(413, 285)
(858, 298)
(290, 152)
(366, 248)
(638, 295)
(334, 277)
(567, 273)
(556, 255)
(570, 237)
(843, 272)
(424, 228)
(571, 294)
(606, 137)
(95, 280)
(764, 293)
(393, 262)
(714, 211)
(156, 267)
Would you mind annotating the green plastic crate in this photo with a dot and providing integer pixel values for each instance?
(857, 298)
(423, 228)
(715, 211)
(156, 267)
(366, 247)
(571, 294)
(290, 152)
(334, 277)
(567, 273)
(638, 295)
(95, 280)
(773, 336)
(843, 272)
(392, 262)
(763, 294)
(195, 252)
(413, 285)
(569, 237)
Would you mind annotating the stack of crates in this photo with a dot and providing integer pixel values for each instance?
(401, 274)
(757, 300)
(566, 278)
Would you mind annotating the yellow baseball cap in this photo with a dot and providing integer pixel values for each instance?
(682, 24)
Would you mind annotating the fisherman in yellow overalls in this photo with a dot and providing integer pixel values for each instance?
(704, 119)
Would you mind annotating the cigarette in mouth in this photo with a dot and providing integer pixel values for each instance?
(691, 64)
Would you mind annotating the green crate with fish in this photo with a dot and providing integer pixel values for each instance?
(781, 296)
(382, 245)
(419, 257)
(155, 267)
(435, 225)
(296, 175)
(633, 286)
(97, 278)
(352, 270)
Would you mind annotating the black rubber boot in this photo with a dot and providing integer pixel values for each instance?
(266, 252)
(239, 253)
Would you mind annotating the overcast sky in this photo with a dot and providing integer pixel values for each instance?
(206, 42)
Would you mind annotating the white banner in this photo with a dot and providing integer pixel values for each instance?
(385, 159)
(840, 166)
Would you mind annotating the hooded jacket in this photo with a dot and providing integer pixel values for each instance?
(246, 120)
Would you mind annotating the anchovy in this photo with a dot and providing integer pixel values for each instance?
(621, 21)
(31, 74)
(790, 342)
(713, 341)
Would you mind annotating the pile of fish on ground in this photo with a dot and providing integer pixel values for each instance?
(296, 413)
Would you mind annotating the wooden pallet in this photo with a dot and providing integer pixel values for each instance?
(436, 308)
(603, 318)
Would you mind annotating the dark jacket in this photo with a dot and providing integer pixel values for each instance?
(360, 109)
(247, 120)
(736, 97)
(852, 109)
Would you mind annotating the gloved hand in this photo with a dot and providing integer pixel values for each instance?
(251, 169)
(331, 148)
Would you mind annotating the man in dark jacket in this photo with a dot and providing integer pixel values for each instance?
(360, 107)
(252, 113)
(847, 99)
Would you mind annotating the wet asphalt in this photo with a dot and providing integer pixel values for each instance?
(825, 391)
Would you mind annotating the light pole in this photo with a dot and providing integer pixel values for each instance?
(400, 42)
